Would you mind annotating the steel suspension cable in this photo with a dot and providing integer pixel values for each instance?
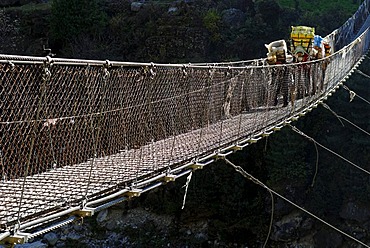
(353, 94)
(341, 117)
(363, 74)
(295, 129)
(258, 182)
(316, 167)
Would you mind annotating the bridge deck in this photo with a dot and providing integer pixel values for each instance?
(64, 187)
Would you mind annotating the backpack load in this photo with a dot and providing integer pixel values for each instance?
(302, 36)
(276, 52)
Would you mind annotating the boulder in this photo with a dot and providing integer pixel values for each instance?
(136, 6)
(233, 17)
(355, 211)
(287, 229)
(173, 10)
(7, 3)
(37, 244)
(51, 238)
(12, 3)
(328, 238)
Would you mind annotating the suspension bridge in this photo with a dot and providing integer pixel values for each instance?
(78, 136)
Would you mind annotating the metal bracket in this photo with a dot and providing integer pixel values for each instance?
(238, 147)
(133, 193)
(223, 155)
(267, 133)
(168, 178)
(85, 212)
(197, 166)
(254, 140)
(277, 128)
(15, 239)
(294, 118)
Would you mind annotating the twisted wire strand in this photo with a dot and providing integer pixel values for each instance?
(295, 129)
(335, 114)
(256, 181)
(343, 118)
(363, 74)
(316, 167)
(352, 92)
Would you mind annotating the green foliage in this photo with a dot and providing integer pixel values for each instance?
(31, 7)
(212, 22)
(320, 6)
(73, 18)
(286, 159)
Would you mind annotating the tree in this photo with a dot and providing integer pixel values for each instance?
(71, 19)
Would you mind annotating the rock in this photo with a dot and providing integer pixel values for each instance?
(139, 217)
(306, 227)
(114, 219)
(305, 242)
(355, 211)
(233, 17)
(51, 238)
(136, 6)
(37, 244)
(102, 216)
(78, 227)
(173, 10)
(287, 229)
(11, 3)
(328, 238)
(7, 3)
(74, 236)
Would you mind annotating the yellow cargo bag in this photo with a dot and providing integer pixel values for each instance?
(302, 32)
(302, 36)
(302, 42)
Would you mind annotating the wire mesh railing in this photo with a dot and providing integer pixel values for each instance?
(73, 132)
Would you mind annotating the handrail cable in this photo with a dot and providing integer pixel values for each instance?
(295, 129)
(363, 74)
(107, 111)
(256, 181)
(341, 117)
(355, 94)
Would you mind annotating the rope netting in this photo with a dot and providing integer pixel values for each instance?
(72, 131)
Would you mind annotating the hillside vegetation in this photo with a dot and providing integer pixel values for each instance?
(162, 31)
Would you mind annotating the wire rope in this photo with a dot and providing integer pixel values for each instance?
(295, 129)
(256, 181)
(355, 94)
(341, 117)
(45, 78)
(271, 218)
(335, 114)
(317, 166)
(96, 136)
(363, 74)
